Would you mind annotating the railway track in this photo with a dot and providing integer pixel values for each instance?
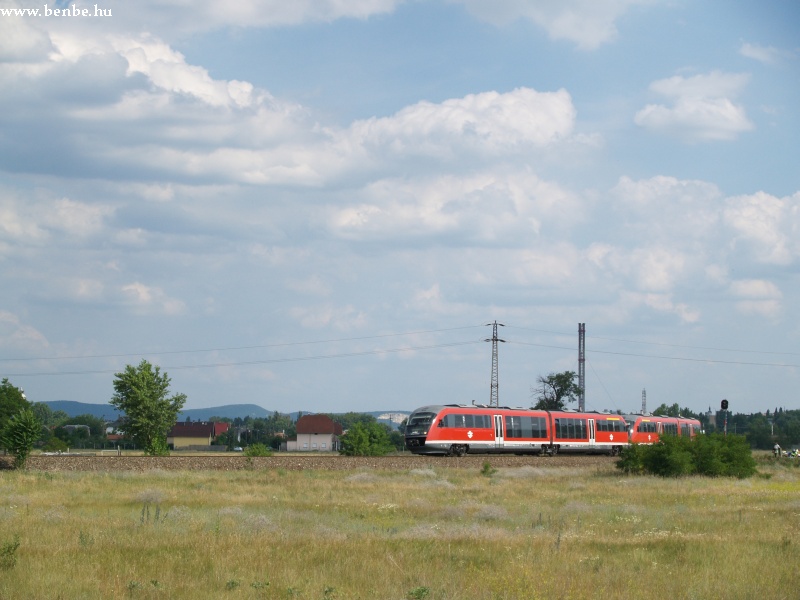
(293, 462)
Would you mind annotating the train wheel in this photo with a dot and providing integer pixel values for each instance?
(457, 450)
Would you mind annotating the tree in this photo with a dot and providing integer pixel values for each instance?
(142, 393)
(555, 390)
(12, 400)
(19, 434)
(366, 439)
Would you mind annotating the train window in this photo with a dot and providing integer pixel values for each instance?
(646, 427)
(615, 425)
(467, 421)
(418, 423)
(513, 427)
(684, 429)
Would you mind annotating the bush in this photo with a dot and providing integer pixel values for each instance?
(670, 457)
(630, 459)
(55, 445)
(710, 455)
(19, 435)
(366, 439)
(257, 450)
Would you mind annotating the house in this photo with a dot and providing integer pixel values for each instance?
(316, 433)
(195, 436)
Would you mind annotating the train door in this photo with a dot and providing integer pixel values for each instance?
(498, 431)
(591, 433)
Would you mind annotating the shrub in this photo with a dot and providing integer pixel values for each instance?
(670, 457)
(366, 439)
(19, 435)
(8, 554)
(630, 459)
(710, 455)
(737, 456)
(257, 450)
(55, 445)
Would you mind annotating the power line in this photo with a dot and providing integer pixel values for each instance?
(608, 339)
(235, 348)
(681, 358)
(258, 362)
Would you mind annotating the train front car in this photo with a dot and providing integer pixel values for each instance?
(418, 425)
(452, 430)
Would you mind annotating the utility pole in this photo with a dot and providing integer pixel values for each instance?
(494, 398)
(582, 366)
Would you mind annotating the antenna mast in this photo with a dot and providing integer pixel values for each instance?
(494, 398)
(644, 401)
(582, 366)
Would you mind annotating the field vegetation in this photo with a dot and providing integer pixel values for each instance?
(436, 532)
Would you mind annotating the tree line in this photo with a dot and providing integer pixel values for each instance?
(142, 394)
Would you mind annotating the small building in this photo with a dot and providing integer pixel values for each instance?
(316, 433)
(195, 436)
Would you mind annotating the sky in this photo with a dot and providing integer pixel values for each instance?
(319, 205)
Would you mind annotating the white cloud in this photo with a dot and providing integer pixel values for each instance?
(587, 23)
(702, 107)
(667, 208)
(648, 269)
(769, 55)
(757, 296)
(766, 224)
(14, 334)
(506, 208)
(146, 299)
(179, 17)
(342, 318)
(486, 123)
(20, 41)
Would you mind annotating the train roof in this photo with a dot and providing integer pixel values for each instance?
(634, 416)
(435, 408)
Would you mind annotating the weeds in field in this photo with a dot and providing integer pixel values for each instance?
(535, 531)
(488, 470)
(8, 553)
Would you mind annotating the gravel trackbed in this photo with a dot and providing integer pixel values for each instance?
(297, 462)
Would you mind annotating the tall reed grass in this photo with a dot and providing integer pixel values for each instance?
(433, 533)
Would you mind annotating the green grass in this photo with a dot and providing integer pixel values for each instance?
(431, 533)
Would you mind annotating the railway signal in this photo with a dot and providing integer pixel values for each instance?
(724, 406)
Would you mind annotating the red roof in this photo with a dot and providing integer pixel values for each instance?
(198, 429)
(318, 424)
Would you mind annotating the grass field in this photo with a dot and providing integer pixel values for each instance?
(435, 533)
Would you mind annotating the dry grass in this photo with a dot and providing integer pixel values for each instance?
(433, 532)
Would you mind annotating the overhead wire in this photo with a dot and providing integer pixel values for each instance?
(261, 362)
(235, 348)
(385, 351)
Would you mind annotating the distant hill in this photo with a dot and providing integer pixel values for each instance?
(109, 413)
(73, 409)
(231, 411)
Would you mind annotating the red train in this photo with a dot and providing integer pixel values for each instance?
(455, 430)
(645, 429)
